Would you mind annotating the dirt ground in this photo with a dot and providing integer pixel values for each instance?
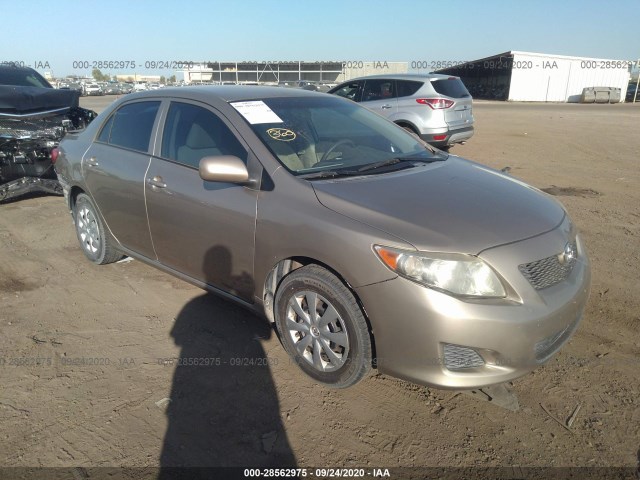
(85, 378)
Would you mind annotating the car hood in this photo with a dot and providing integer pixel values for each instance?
(452, 206)
(24, 100)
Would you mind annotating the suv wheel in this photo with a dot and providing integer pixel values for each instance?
(322, 327)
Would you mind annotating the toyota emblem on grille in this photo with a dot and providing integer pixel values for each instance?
(569, 254)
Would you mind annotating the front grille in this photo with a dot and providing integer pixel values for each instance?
(548, 271)
(457, 357)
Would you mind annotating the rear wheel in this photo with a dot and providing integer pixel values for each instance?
(95, 241)
(322, 327)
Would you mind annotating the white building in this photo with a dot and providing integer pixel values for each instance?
(539, 77)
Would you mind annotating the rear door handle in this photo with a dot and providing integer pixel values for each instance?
(385, 107)
(92, 162)
(156, 182)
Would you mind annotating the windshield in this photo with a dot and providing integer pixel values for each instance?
(312, 134)
(22, 77)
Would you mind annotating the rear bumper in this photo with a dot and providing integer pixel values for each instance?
(451, 136)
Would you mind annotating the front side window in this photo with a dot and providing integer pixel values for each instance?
(378, 90)
(132, 124)
(350, 91)
(192, 133)
(311, 134)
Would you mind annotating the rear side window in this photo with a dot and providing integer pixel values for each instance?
(406, 88)
(105, 133)
(378, 90)
(132, 124)
(192, 133)
(450, 87)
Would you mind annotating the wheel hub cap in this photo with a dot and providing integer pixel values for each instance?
(317, 330)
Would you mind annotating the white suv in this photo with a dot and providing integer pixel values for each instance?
(93, 89)
(437, 108)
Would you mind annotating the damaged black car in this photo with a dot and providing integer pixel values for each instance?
(34, 117)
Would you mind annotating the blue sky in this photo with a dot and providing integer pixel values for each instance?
(63, 31)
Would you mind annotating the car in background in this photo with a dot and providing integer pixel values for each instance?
(125, 87)
(112, 89)
(364, 245)
(437, 108)
(34, 116)
(71, 85)
(93, 89)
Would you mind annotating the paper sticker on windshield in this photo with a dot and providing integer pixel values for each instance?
(282, 134)
(256, 112)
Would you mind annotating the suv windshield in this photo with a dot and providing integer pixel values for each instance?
(312, 134)
(451, 87)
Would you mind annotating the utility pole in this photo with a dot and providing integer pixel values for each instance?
(635, 95)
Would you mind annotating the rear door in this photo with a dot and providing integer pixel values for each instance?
(114, 169)
(460, 115)
(202, 229)
(380, 96)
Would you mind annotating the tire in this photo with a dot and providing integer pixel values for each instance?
(95, 242)
(409, 129)
(334, 348)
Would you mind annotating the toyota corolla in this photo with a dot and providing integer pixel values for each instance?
(366, 247)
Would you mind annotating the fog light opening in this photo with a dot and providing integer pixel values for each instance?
(457, 357)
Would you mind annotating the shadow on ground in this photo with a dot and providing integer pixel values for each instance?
(224, 411)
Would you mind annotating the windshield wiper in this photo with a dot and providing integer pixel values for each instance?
(393, 161)
(372, 166)
(330, 174)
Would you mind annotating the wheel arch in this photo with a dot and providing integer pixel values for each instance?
(407, 124)
(284, 267)
(73, 195)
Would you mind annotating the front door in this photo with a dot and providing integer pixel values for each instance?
(379, 95)
(202, 229)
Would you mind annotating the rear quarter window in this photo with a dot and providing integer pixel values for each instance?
(406, 88)
(450, 87)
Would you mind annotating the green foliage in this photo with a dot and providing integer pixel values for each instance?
(99, 76)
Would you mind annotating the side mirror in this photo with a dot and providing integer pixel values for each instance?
(223, 168)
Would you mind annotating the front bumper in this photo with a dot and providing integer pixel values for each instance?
(414, 325)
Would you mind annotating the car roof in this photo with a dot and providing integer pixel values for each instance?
(404, 76)
(225, 93)
(16, 68)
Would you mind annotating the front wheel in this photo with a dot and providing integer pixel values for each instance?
(322, 327)
(96, 243)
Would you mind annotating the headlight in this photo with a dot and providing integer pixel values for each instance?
(454, 273)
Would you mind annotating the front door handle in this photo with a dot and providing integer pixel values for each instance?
(92, 162)
(386, 106)
(156, 182)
